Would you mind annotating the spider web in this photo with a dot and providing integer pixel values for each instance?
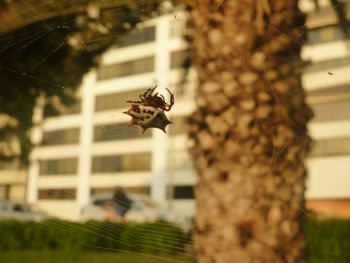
(120, 132)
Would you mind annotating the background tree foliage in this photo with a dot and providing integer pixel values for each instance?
(50, 57)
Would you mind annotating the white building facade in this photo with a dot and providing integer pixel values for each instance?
(90, 149)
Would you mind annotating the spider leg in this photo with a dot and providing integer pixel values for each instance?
(152, 90)
(172, 95)
(132, 122)
(132, 101)
(172, 100)
(145, 94)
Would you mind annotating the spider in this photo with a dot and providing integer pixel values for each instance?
(154, 100)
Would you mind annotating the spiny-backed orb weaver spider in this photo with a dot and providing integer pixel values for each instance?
(148, 112)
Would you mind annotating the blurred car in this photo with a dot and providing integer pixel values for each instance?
(142, 209)
(20, 211)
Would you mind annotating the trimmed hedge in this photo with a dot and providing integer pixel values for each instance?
(327, 240)
(157, 237)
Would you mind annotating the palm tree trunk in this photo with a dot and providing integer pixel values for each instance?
(249, 131)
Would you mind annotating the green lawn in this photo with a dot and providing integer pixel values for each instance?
(86, 257)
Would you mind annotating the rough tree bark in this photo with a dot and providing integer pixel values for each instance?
(249, 131)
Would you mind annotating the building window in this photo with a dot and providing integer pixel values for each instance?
(117, 100)
(106, 164)
(137, 36)
(12, 164)
(59, 166)
(5, 192)
(332, 111)
(136, 162)
(331, 147)
(179, 126)
(120, 131)
(324, 34)
(139, 66)
(55, 108)
(327, 64)
(122, 163)
(137, 190)
(183, 192)
(59, 137)
(335, 93)
(179, 59)
(73, 109)
(57, 194)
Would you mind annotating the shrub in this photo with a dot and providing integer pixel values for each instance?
(158, 237)
(328, 240)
